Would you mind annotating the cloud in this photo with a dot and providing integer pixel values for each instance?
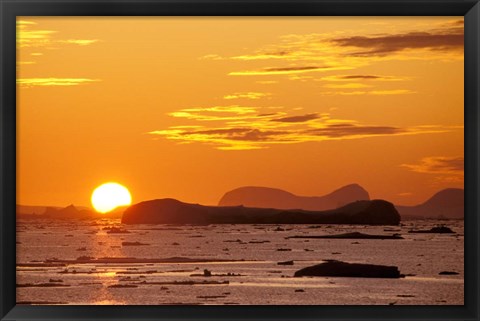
(392, 43)
(438, 165)
(267, 55)
(297, 119)
(266, 82)
(21, 63)
(351, 130)
(346, 50)
(371, 92)
(244, 128)
(29, 36)
(242, 134)
(445, 169)
(247, 95)
(25, 22)
(244, 137)
(216, 113)
(211, 57)
(32, 82)
(347, 86)
(280, 71)
(80, 42)
(362, 77)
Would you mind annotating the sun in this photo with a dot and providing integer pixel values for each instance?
(109, 196)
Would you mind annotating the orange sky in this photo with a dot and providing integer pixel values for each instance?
(191, 108)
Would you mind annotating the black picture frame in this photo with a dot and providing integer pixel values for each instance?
(9, 9)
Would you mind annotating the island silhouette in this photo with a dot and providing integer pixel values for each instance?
(252, 204)
(171, 211)
(266, 197)
(447, 203)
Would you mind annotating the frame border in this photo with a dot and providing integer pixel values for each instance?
(9, 9)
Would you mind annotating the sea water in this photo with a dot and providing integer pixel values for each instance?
(242, 260)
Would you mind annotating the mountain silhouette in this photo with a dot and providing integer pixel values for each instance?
(171, 211)
(69, 212)
(265, 197)
(447, 203)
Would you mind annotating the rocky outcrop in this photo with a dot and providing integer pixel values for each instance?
(171, 211)
(436, 229)
(343, 269)
(352, 236)
(265, 197)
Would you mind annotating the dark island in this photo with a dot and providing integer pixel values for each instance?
(353, 236)
(171, 211)
(266, 197)
(344, 269)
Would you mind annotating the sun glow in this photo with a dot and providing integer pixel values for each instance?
(109, 196)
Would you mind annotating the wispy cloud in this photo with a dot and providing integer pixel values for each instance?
(362, 78)
(297, 119)
(246, 95)
(295, 54)
(28, 35)
(438, 165)
(266, 82)
(347, 86)
(21, 63)
(80, 42)
(36, 42)
(450, 169)
(216, 113)
(371, 92)
(32, 82)
(393, 43)
(211, 57)
(266, 55)
(282, 70)
(241, 128)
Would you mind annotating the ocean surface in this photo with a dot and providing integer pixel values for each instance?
(57, 264)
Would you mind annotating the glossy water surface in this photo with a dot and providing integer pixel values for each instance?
(243, 261)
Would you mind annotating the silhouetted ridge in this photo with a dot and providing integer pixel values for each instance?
(266, 197)
(170, 211)
(447, 203)
(68, 212)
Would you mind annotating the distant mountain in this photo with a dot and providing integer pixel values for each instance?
(69, 212)
(31, 210)
(265, 197)
(171, 211)
(448, 203)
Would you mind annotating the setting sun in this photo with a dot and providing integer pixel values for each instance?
(109, 196)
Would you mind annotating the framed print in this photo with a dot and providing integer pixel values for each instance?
(228, 160)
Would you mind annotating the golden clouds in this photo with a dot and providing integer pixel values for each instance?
(247, 95)
(438, 165)
(362, 78)
(282, 70)
(347, 86)
(29, 36)
(244, 128)
(450, 169)
(216, 113)
(371, 92)
(36, 43)
(298, 57)
(31, 82)
(296, 54)
(446, 39)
